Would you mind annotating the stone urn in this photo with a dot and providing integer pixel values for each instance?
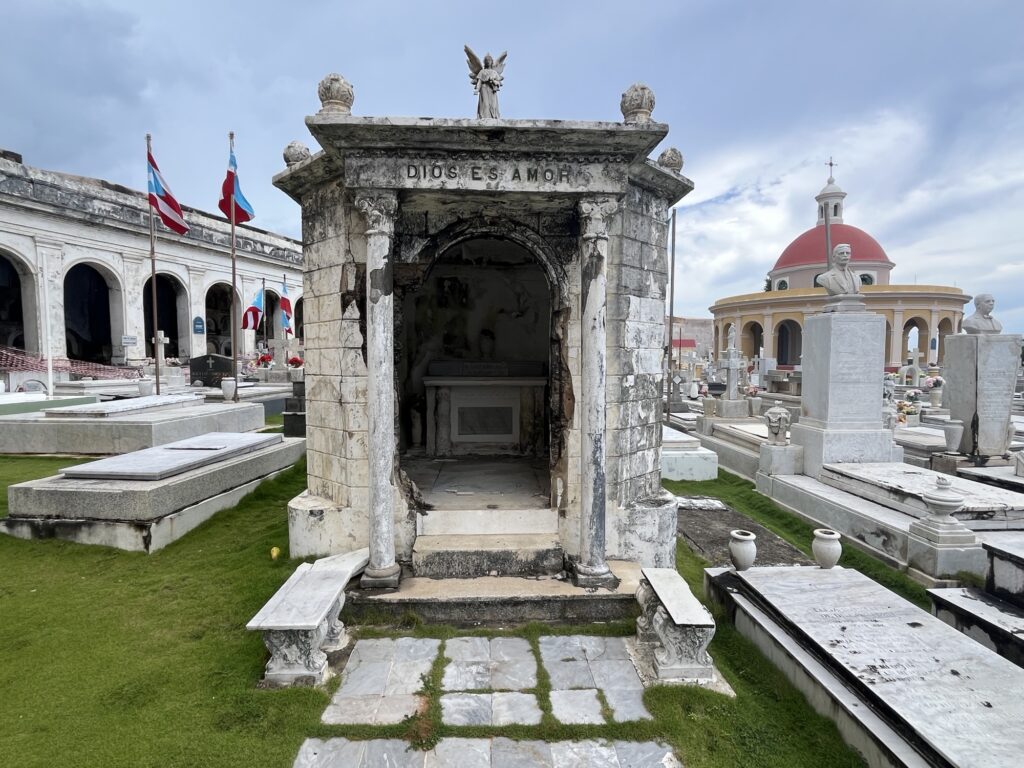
(935, 397)
(710, 407)
(942, 501)
(826, 547)
(146, 387)
(742, 549)
(228, 387)
(953, 431)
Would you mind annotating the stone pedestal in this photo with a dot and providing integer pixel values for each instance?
(980, 372)
(942, 550)
(781, 459)
(841, 419)
(733, 409)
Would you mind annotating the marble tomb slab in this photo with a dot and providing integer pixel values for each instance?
(121, 407)
(902, 487)
(1005, 477)
(174, 458)
(961, 700)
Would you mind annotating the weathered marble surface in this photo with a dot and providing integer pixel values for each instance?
(962, 700)
(981, 372)
(120, 407)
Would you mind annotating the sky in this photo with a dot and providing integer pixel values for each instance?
(921, 104)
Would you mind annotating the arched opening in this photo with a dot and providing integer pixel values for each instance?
(915, 341)
(92, 313)
(475, 330)
(866, 279)
(717, 342)
(888, 342)
(172, 315)
(751, 340)
(725, 339)
(945, 329)
(270, 326)
(218, 318)
(12, 304)
(789, 342)
(298, 323)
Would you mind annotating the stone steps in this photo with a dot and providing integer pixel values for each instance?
(463, 522)
(997, 625)
(470, 556)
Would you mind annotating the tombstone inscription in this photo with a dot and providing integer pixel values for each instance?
(211, 369)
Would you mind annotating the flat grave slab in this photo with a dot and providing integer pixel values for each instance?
(679, 441)
(1004, 477)
(961, 700)
(127, 406)
(902, 487)
(174, 458)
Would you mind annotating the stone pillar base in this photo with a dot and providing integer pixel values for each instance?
(385, 578)
(941, 550)
(781, 459)
(733, 409)
(589, 578)
(835, 445)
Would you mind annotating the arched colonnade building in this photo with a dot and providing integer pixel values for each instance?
(74, 258)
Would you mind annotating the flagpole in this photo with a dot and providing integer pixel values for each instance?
(234, 280)
(266, 346)
(284, 286)
(152, 271)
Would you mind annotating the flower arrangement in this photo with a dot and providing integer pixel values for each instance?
(907, 407)
(295, 361)
(752, 390)
(703, 390)
(266, 360)
(933, 382)
(913, 395)
(172, 361)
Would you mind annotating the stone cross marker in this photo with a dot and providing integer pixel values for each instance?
(731, 365)
(158, 347)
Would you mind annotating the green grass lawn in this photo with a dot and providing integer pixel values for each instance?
(121, 659)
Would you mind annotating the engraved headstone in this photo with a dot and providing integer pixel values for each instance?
(211, 369)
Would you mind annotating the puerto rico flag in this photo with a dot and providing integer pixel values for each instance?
(252, 316)
(162, 201)
(243, 211)
(286, 309)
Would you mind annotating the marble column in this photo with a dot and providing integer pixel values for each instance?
(896, 339)
(768, 335)
(379, 210)
(931, 354)
(51, 299)
(591, 570)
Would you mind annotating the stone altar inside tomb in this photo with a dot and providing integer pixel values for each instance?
(486, 246)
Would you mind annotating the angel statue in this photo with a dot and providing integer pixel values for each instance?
(486, 79)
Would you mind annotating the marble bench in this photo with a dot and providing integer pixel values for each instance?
(677, 623)
(301, 624)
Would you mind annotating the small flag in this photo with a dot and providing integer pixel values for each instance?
(243, 211)
(252, 315)
(162, 201)
(286, 303)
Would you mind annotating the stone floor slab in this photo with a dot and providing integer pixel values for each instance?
(559, 648)
(407, 677)
(466, 709)
(377, 649)
(395, 709)
(416, 649)
(367, 678)
(510, 649)
(392, 753)
(506, 753)
(468, 649)
(514, 709)
(615, 674)
(627, 705)
(584, 754)
(330, 753)
(515, 675)
(645, 754)
(577, 707)
(605, 648)
(459, 753)
(355, 710)
(466, 676)
(565, 675)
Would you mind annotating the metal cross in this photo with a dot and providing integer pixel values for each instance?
(830, 165)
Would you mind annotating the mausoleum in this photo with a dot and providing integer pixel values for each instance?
(484, 340)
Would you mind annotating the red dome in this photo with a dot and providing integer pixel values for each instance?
(809, 248)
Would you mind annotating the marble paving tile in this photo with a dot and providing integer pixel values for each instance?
(577, 707)
(645, 754)
(514, 709)
(627, 705)
(468, 649)
(615, 674)
(329, 753)
(357, 710)
(459, 753)
(466, 709)
(569, 674)
(510, 649)
(416, 649)
(466, 676)
(366, 679)
(407, 677)
(506, 753)
(392, 753)
(605, 648)
(377, 649)
(516, 675)
(584, 754)
(395, 709)
(557, 648)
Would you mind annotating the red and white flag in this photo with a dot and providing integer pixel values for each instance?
(162, 201)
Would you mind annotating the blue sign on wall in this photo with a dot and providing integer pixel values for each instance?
(198, 325)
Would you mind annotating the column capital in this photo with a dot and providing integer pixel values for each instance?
(594, 215)
(379, 208)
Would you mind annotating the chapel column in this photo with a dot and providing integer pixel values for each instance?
(896, 339)
(379, 209)
(931, 354)
(595, 214)
(50, 299)
(768, 335)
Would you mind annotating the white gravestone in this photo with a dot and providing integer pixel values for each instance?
(981, 372)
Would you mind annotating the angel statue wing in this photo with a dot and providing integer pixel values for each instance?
(499, 64)
(475, 65)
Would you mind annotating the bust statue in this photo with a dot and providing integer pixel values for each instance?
(840, 280)
(982, 321)
(777, 419)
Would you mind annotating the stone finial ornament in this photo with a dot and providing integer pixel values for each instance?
(637, 104)
(777, 419)
(295, 153)
(671, 159)
(486, 78)
(982, 321)
(336, 95)
(942, 501)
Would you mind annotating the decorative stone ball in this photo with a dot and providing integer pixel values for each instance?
(336, 94)
(671, 159)
(637, 104)
(295, 153)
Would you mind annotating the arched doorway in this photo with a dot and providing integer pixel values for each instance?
(172, 315)
(218, 318)
(92, 313)
(915, 337)
(297, 324)
(270, 326)
(751, 340)
(12, 304)
(944, 330)
(789, 343)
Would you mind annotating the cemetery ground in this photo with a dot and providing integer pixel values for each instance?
(113, 658)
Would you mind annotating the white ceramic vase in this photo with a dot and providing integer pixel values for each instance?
(953, 430)
(755, 406)
(826, 547)
(742, 549)
(935, 397)
(228, 387)
(146, 387)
